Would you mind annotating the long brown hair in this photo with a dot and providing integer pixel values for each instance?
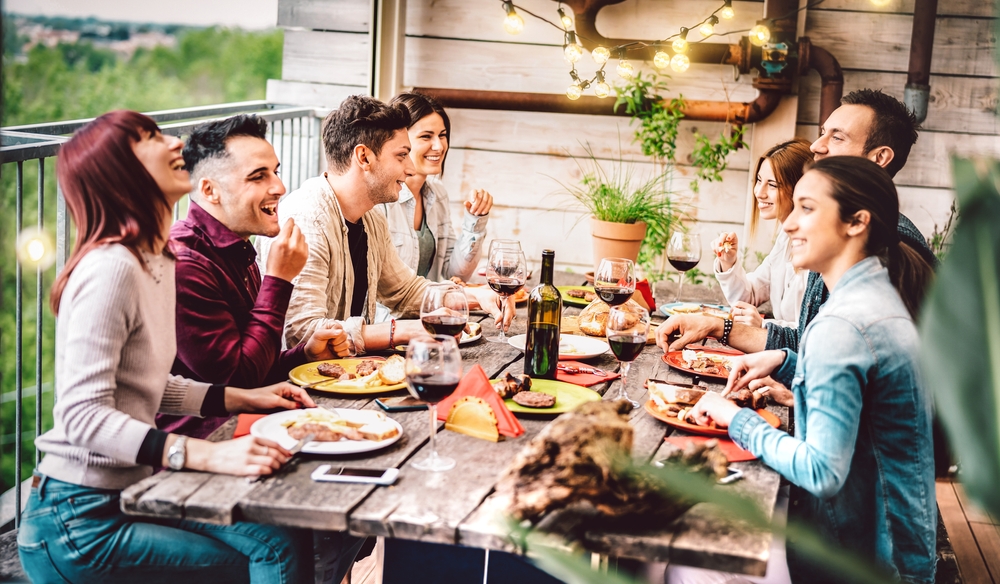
(420, 106)
(857, 183)
(110, 194)
(787, 161)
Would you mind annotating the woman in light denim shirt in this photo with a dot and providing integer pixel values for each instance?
(861, 462)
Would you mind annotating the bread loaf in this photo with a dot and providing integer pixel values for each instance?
(594, 317)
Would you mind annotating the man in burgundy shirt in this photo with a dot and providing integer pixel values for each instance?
(229, 320)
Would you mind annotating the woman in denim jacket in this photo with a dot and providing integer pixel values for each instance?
(861, 460)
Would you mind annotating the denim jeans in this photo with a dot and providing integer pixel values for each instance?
(75, 534)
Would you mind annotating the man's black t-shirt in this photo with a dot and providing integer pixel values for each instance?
(357, 242)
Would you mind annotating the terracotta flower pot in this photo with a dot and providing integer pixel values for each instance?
(616, 240)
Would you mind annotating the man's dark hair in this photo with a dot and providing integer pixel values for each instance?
(893, 125)
(360, 119)
(209, 139)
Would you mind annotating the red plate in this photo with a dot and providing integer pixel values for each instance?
(705, 430)
(676, 360)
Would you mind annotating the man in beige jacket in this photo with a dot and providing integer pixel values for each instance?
(352, 261)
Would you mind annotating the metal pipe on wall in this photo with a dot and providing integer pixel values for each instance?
(918, 88)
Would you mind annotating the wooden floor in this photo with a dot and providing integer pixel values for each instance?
(974, 535)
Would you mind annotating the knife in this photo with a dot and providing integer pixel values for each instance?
(575, 370)
(316, 384)
(294, 450)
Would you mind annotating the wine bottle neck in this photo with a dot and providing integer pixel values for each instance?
(548, 266)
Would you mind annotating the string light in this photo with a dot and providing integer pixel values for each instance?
(680, 63)
(601, 55)
(601, 87)
(707, 28)
(727, 11)
(625, 69)
(35, 249)
(571, 48)
(760, 34)
(661, 59)
(680, 43)
(881, 3)
(513, 24)
(567, 22)
(575, 90)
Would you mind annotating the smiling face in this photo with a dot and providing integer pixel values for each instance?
(429, 140)
(388, 171)
(818, 239)
(160, 154)
(844, 133)
(246, 188)
(765, 189)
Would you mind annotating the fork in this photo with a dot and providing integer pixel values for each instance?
(574, 370)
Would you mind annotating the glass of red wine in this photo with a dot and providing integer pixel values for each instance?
(628, 329)
(683, 253)
(433, 370)
(506, 273)
(614, 280)
(444, 310)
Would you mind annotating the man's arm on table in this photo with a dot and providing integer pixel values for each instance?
(694, 328)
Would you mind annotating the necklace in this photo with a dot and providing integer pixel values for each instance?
(155, 272)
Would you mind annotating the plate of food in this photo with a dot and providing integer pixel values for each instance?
(570, 346)
(524, 395)
(520, 297)
(354, 376)
(577, 295)
(472, 335)
(716, 310)
(672, 402)
(335, 431)
(706, 363)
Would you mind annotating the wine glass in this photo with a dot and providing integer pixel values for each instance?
(614, 280)
(444, 310)
(433, 370)
(504, 243)
(628, 329)
(506, 273)
(683, 253)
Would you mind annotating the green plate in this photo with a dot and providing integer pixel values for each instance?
(575, 301)
(568, 397)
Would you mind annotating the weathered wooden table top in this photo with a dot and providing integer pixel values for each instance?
(459, 507)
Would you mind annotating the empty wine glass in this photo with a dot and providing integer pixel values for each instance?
(433, 370)
(684, 253)
(506, 273)
(628, 329)
(445, 309)
(614, 280)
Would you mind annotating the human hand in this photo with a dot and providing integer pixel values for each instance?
(278, 396)
(746, 313)
(288, 252)
(246, 456)
(681, 330)
(778, 393)
(479, 202)
(712, 407)
(328, 341)
(408, 329)
(746, 368)
(485, 299)
(725, 247)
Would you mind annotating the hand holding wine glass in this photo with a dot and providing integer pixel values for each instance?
(444, 310)
(614, 280)
(628, 329)
(506, 273)
(684, 253)
(433, 370)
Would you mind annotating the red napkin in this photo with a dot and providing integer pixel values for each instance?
(643, 288)
(477, 384)
(583, 379)
(243, 423)
(733, 452)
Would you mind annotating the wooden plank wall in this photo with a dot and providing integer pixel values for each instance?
(523, 157)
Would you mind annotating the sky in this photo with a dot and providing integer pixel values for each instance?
(249, 14)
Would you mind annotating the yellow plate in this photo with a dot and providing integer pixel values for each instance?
(304, 374)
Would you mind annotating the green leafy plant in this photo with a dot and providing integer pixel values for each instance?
(940, 238)
(709, 158)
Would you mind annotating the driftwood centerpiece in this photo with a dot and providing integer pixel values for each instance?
(573, 475)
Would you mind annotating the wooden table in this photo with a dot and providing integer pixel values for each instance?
(459, 507)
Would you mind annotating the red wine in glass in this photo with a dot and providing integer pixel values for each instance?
(614, 295)
(433, 388)
(437, 324)
(627, 347)
(505, 286)
(682, 265)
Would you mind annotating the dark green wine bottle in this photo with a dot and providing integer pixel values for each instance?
(541, 353)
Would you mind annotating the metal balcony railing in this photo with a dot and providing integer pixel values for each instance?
(293, 131)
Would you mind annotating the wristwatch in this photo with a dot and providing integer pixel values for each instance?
(177, 454)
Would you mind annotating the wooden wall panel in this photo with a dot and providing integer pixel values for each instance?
(335, 15)
(338, 58)
(656, 19)
(947, 8)
(320, 95)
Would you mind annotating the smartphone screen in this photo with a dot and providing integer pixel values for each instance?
(346, 474)
(359, 472)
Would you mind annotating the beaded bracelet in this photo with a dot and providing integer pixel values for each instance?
(727, 328)
(392, 331)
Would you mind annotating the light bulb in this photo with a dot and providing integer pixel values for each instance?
(573, 53)
(574, 91)
(680, 45)
(601, 55)
(513, 24)
(727, 11)
(567, 22)
(35, 249)
(602, 89)
(680, 63)
(661, 59)
(625, 70)
(759, 35)
(881, 3)
(707, 28)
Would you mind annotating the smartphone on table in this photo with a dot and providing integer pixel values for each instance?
(328, 473)
(401, 404)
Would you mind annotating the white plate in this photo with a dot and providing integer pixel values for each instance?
(466, 340)
(578, 347)
(270, 427)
